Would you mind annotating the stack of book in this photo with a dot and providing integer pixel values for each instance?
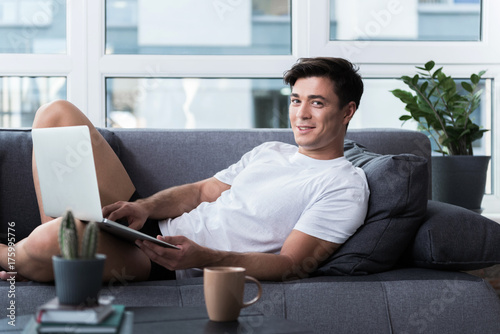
(53, 317)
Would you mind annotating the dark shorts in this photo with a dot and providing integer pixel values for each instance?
(151, 228)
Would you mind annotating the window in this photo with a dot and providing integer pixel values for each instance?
(422, 20)
(20, 97)
(198, 27)
(31, 32)
(189, 103)
(108, 58)
(32, 26)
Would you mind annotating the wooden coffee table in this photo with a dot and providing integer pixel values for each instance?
(190, 320)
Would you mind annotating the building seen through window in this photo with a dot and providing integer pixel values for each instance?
(198, 27)
(409, 20)
(33, 26)
(189, 103)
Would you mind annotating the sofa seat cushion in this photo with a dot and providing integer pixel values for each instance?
(411, 300)
(454, 238)
(397, 205)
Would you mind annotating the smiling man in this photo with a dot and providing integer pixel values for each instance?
(279, 212)
(318, 119)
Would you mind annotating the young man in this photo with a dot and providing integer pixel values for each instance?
(279, 212)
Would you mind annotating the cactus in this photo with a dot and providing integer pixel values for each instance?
(68, 239)
(89, 243)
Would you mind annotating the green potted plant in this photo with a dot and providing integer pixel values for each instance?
(78, 275)
(443, 111)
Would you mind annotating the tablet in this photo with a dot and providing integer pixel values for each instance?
(129, 234)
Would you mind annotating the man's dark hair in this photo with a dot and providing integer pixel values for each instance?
(344, 75)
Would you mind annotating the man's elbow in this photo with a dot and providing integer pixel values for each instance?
(296, 269)
(303, 268)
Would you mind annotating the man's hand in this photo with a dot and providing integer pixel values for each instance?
(135, 214)
(168, 203)
(300, 255)
(190, 254)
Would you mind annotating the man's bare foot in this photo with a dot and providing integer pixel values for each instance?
(4, 275)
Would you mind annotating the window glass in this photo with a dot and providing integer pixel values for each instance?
(409, 20)
(20, 97)
(198, 27)
(194, 103)
(32, 26)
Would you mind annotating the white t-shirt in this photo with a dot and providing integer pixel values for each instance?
(275, 189)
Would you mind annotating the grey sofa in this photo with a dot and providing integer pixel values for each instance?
(401, 273)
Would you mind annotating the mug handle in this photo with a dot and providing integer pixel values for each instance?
(259, 293)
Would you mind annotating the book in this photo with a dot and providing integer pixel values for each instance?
(125, 327)
(52, 311)
(111, 324)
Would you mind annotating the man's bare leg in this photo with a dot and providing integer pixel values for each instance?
(112, 178)
(34, 254)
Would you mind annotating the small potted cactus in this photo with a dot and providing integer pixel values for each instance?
(78, 274)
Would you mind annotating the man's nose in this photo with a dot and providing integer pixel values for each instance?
(303, 111)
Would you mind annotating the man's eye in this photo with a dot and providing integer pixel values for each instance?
(317, 103)
(295, 101)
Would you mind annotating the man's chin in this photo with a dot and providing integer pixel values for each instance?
(303, 142)
(301, 139)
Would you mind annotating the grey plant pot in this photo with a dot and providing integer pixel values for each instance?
(460, 180)
(78, 281)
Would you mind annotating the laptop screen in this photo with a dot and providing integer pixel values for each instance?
(66, 172)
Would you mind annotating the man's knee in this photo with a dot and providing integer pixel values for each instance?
(43, 242)
(57, 113)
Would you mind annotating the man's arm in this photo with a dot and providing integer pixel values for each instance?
(168, 203)
(300, 255)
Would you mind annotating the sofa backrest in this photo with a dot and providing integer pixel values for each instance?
(156, 159)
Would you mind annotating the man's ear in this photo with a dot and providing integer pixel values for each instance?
(349, 111)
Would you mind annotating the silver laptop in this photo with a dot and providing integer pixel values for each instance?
(67, 176)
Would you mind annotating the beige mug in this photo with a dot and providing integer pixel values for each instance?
(224, 287)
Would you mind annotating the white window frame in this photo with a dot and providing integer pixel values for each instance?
(485, 51)
(86, 65)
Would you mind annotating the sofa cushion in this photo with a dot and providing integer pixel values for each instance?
(396, 209)
(454, 238)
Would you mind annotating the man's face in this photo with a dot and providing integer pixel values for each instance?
(317, 121)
